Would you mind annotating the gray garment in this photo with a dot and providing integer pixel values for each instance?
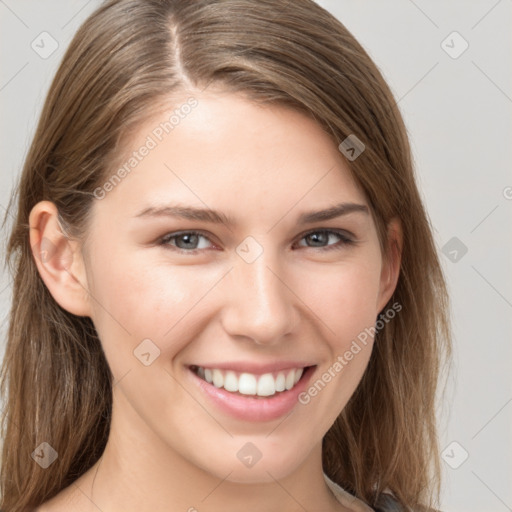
(385, 503)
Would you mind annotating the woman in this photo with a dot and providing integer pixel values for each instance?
(227, 291)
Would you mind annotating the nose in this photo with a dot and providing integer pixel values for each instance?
(259, 303)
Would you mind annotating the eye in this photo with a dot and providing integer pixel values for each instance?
(186, 241)
(193, 241)
(321, 237)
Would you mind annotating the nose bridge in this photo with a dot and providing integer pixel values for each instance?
(261, 305)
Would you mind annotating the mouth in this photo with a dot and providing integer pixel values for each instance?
(250, 393)
(251, 384)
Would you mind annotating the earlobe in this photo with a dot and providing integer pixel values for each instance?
(58, 260)
(391, 266)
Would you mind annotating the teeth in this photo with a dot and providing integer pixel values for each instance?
(267, 384)
(218, 379)
(290, 379)
(247, 384)
(280, 382)
(231, 382)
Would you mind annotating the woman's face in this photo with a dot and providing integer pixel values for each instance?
(180, 296)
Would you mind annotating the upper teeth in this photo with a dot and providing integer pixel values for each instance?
(249, 384)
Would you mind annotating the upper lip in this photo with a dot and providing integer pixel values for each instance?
(255, 368)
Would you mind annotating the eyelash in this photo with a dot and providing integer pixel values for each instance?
(344, 240)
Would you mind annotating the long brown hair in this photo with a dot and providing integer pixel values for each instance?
(124, 61)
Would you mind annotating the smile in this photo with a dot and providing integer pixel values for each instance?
(250, 384)
(249, 392)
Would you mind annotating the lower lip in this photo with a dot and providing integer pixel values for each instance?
(251, 408)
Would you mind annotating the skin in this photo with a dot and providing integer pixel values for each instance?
(169, 447)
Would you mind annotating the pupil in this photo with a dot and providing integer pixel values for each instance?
(189, 239)
(318, 238)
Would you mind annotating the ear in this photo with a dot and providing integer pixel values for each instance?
(58, 260)
(391, 265)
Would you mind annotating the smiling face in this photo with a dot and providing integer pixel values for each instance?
(261, 297)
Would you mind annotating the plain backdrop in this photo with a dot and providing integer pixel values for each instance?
(449, 66)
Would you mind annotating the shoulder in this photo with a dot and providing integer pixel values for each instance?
(385, 503)
(388, 503)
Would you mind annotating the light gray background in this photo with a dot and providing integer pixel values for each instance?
(458, 114)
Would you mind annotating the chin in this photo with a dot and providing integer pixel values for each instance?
(253, 466)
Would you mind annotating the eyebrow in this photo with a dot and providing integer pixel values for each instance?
(216, 217)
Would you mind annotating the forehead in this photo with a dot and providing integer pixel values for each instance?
(224, 151)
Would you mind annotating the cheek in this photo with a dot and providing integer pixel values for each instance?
(134, 301)
(343, 298)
